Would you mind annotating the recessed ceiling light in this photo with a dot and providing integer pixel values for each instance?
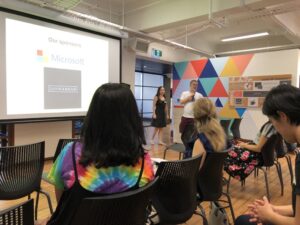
(261, 34)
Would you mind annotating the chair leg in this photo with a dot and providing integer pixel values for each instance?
(266, 180)
(202, 214)
(36, 205)
(289, 162)
(48, 199)
(279, 171)
(230, 205)
(228, 183)
(165, 153)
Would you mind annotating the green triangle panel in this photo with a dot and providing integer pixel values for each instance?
(201, 90)
(240, 111)
(175, 74)
(208, 71)
(208, 84)
(180, 68)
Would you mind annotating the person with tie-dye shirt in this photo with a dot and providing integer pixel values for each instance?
(109, 158)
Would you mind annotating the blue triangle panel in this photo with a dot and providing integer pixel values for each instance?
(208, 71)
(240, 111)
(218, 103)
(201, 90)
(175, 74)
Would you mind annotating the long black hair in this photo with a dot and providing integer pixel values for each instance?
(112, 132)
(283, 98)
(158, 90)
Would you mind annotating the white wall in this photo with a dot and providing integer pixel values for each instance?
(50, 132)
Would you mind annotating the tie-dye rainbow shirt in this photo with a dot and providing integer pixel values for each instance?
(102, 180)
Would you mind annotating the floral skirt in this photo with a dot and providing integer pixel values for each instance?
(240, 162)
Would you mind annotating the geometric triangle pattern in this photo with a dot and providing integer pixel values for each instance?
(208, 71)
(213, 80)
(240, 111)
(213, 100)
(181, 87)
(218, 103)
(219, 63)
(180, 68)
(175, 84)
(230, 69)
(201, 90)
(175, 74)
(189, 72)
(208, 84)
(223, 101)
(218, 90)
(199, 65)
(242, 61)
(228, 112)
(225, 82)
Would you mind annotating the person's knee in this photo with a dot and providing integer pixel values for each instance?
(243, 220)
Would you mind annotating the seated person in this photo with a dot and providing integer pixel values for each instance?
(108, 159)
(282, 106)
(243, 158)
(210, 134)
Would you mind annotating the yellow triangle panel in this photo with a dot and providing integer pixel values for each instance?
(230, 69)
(228, 112)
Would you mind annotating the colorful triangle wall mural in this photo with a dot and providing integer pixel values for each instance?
(213, 80)
(208, 71)
(208, 84)
(189, 72)
(180, 68)
(230, 69)
(242, 61)
(199, 65)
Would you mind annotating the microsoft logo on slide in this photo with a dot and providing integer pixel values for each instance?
(41, 57)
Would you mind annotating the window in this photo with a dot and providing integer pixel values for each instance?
(145, 89)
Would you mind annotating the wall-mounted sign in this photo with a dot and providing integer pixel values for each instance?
(156, 53)
(251, 91)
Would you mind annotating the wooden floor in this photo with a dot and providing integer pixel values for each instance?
(241, 196)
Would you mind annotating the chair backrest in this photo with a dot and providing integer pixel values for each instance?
(268, 150)
(129, 208)
(209, 181)
(280, 150)
(21, 214)
(21, 169)
(175, 195)
(61, 144)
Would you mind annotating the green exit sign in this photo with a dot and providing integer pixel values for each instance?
(156, 53)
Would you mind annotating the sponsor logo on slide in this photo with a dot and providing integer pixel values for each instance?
(41, 57)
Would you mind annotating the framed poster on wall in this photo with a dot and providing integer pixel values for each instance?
(251, 91)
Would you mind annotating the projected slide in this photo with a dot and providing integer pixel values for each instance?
(49, 70)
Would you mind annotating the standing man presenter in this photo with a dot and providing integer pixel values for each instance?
(187, 127)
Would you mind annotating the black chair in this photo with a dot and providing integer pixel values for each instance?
(268, 156)
(282, 153)
(21, 170)
(129, 208)
(210, 181)
(61, 144)
(225, 124)
(21, 214)
(178, 147)
(175, 197)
